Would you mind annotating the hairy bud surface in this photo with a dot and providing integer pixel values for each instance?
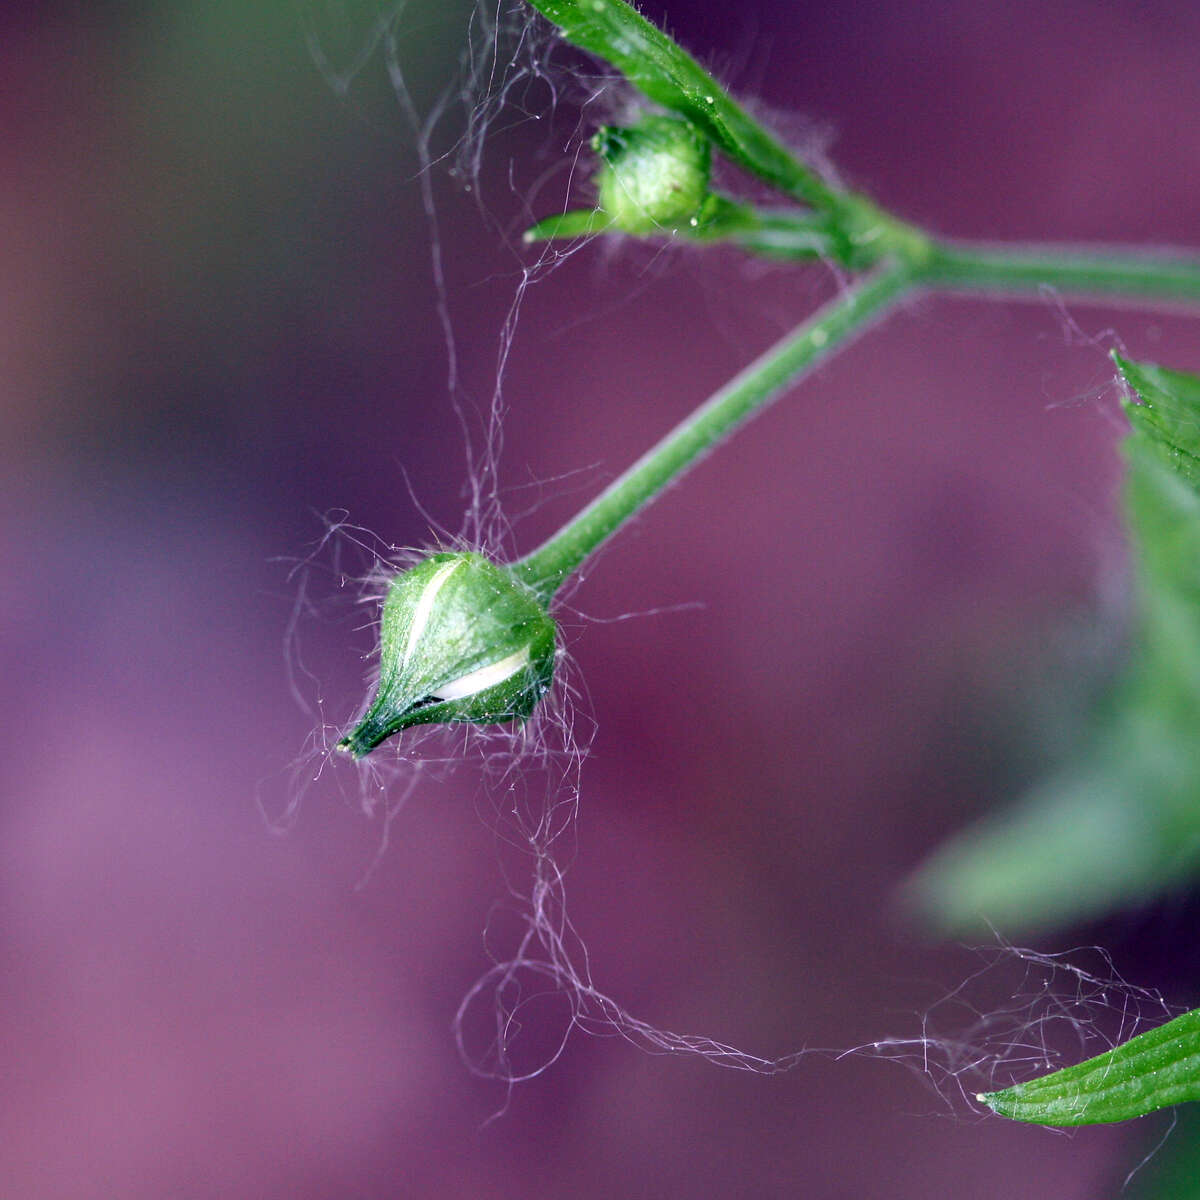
(461, 640)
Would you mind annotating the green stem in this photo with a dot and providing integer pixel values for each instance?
(848, 226)
(1145, 280)
(555, 560)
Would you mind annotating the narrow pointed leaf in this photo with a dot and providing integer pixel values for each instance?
(1146, 1073)
(576, 223)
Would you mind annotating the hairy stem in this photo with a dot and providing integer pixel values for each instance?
(845, 225)
(756, 386)
(1144, 280)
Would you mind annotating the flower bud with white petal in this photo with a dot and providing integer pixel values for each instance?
(460, 640)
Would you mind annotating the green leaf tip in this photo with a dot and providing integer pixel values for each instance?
(461, 640)
(1154, 1070)
(1168, 417)
(576, 223)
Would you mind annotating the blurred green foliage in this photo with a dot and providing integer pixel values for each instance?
(1173, 1170)
(1120, 824)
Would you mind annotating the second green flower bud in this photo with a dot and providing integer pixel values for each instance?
(654, 175)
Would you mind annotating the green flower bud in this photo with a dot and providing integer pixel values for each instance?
(460, 640)
(654, 175)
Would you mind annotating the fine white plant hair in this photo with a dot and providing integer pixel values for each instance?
(966, 1041)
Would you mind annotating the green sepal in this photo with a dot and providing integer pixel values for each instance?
(783, 235)
(1151, 1071)
(575, 223)
(461, 640)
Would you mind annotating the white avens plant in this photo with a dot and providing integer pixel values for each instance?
(464, 639)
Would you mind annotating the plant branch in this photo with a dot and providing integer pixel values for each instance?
(547, 567)
(1146, 278)
(845, 225)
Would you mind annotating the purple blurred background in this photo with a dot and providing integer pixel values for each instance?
(217, 327)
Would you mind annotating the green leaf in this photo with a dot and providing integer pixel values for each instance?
(1146, 1073)
(1171, 1168)
(668, 75)
(1120, 825)
(1168, 415)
